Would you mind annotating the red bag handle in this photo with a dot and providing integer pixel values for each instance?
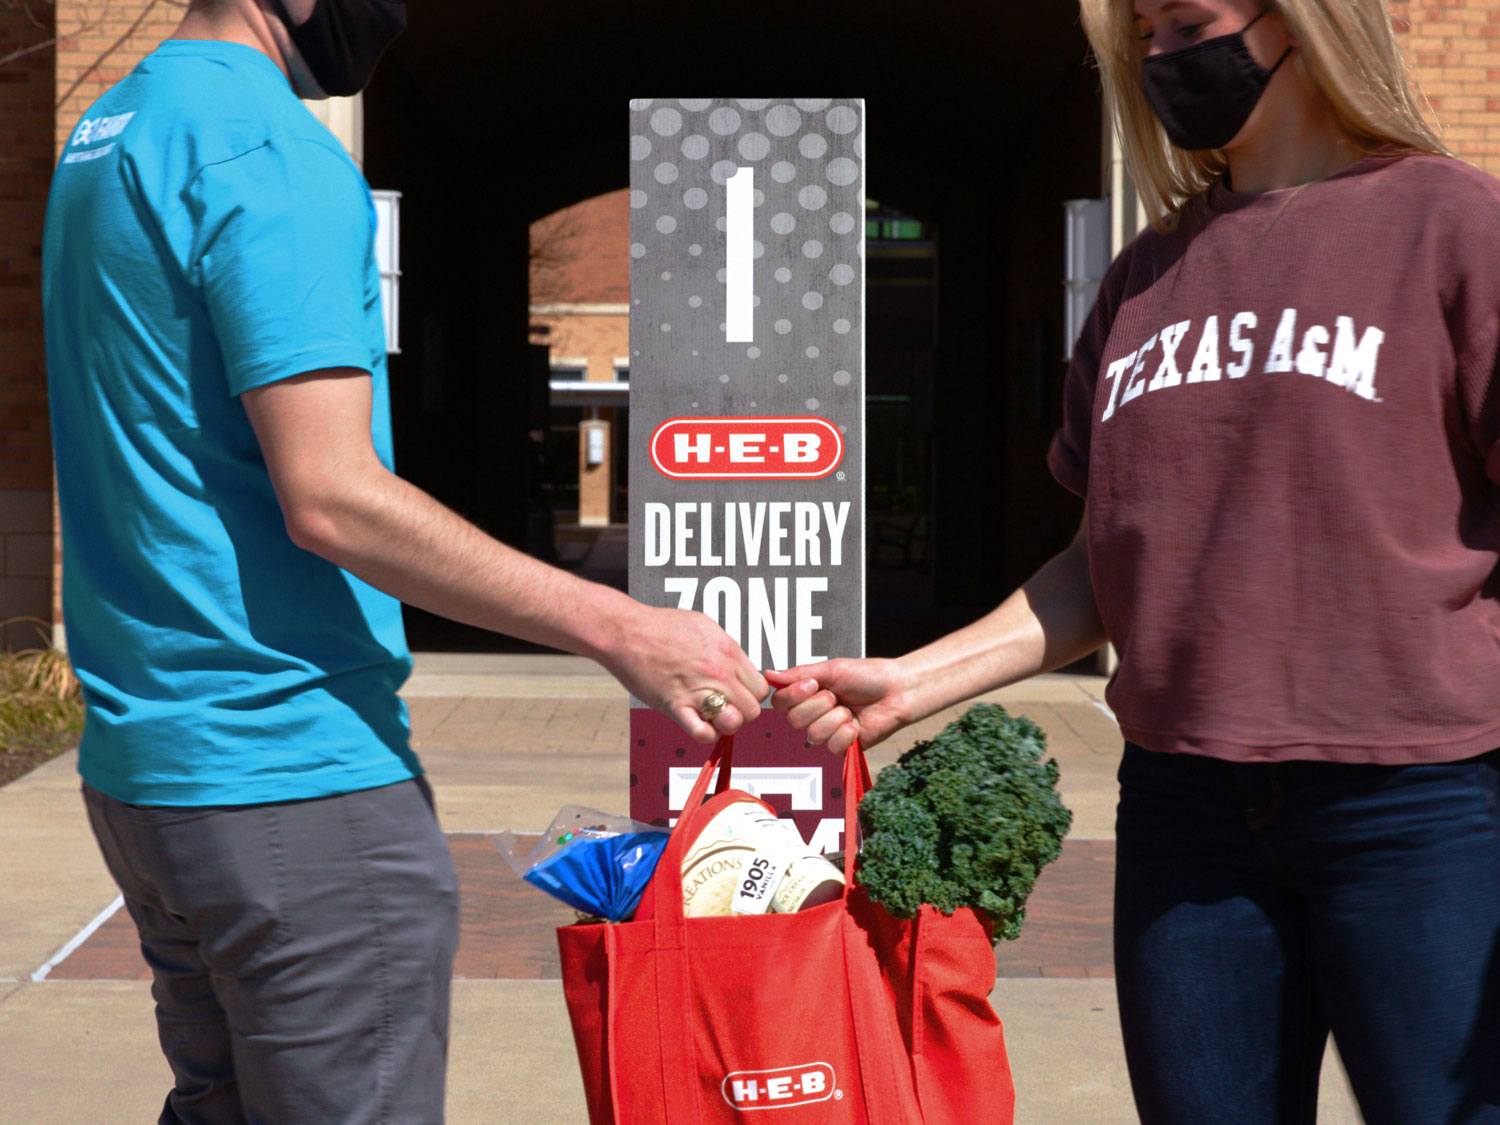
(856, 785)
(667, 883)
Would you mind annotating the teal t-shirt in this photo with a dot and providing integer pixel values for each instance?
(205, 234)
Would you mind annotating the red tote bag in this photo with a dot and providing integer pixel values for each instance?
(836, 1014)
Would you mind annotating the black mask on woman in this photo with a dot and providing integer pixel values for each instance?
(1204, 93)
(343, 40)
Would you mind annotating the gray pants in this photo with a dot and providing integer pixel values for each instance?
(301, 953)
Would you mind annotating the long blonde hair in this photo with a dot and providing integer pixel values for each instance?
(1346, 48)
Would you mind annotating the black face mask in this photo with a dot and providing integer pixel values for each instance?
(343, 40)
(1205, 92)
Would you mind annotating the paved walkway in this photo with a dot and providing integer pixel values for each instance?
(506, 741)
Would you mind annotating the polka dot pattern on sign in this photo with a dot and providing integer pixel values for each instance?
(754, 146)
(782, 121)
(666, 121)
(842, 120)
(842, 171)
(807, 228)
(724, 121)
(812, 197)
(812, 146)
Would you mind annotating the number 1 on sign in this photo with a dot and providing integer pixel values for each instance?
(739, 257)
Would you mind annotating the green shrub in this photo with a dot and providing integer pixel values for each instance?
(41, 705)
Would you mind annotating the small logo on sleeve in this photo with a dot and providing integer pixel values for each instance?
(94, 131)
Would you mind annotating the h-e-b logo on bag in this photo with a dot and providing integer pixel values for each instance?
(781, 1088)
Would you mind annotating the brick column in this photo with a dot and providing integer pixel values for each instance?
(1453, 48)
(98, 43)
(25, 446)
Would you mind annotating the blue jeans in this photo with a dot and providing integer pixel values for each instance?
(1259, 906)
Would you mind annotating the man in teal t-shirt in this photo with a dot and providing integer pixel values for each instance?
(199, 205)
(236, 545)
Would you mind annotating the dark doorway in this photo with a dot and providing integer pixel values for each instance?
(983, 119)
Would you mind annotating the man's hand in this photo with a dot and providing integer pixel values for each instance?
(837, 701)
(672, 658)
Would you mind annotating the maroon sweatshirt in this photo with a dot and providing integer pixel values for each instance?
(1284, 416)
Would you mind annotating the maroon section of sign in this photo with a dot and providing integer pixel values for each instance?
(658, 746)
(801, 448)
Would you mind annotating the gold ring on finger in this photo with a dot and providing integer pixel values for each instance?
(713, 703)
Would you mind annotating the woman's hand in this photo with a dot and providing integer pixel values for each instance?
(837, 701)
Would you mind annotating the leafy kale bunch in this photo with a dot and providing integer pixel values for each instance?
(967, 819)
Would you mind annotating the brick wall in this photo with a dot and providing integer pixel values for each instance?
(26, 120)
(1453, 47)
(99, 42)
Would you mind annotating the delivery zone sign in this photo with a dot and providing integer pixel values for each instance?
(747, 410)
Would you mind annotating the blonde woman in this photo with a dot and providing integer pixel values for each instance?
(1284, 416)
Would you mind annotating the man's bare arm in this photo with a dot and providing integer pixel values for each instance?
(341, 503)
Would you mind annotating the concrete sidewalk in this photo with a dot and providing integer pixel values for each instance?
(506, 741)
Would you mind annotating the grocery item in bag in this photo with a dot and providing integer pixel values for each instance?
(748, 861)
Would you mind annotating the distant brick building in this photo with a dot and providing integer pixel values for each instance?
(580, 291)
(55, 58)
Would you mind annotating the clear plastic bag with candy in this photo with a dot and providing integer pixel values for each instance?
(598, 863)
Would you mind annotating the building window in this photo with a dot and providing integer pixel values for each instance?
(886, 224)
